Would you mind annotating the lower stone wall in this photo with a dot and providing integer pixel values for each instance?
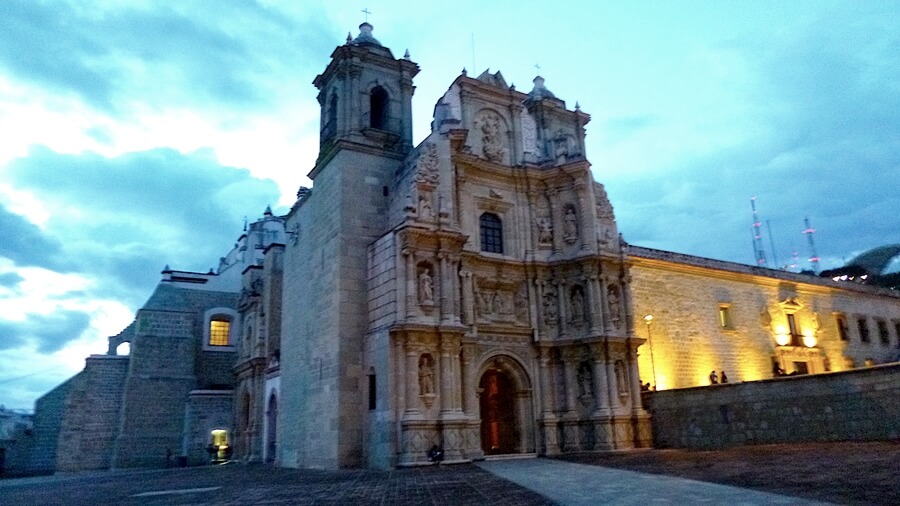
(857, 405)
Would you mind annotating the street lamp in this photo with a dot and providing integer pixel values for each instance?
(648, 319)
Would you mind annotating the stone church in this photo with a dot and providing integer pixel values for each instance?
(471, 293)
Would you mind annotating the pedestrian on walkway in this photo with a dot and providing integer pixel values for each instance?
(713, 378)
(722, 378)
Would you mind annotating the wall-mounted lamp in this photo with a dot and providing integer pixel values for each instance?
(648, 319)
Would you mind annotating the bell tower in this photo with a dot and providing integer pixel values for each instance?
(365, 95)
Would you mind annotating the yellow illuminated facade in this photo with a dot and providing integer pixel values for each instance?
(710, 316)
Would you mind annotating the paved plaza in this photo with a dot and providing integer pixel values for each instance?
(869, 471)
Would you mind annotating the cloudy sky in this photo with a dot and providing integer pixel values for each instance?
(135, 134)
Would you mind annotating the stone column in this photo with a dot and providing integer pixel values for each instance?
(626, 301)
(456, 376)
(412, 382)
(604, 303)
(563, 300)
(547, 404)
(594, 306)
(411, 288)
(399, 376)
(446, 377)
(611, 381)
(570, 366)
(466, 378)
(634, 379)
(556, 218)
(446, 313)
(468, 312)
(601, 383)
(583, 217)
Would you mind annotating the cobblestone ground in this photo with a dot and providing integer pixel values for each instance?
(843, 473)
(256, 484)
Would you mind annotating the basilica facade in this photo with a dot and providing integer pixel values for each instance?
(469, 294)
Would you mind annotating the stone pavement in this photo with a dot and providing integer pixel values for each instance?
(574, 484)
(520, 482)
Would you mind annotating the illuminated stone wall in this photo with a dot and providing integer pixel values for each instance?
(685, 293)
(858, 405)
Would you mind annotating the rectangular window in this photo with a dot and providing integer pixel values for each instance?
(863, 329)
(883, 332)
(843, 331)
(796, 338)
(218, 332)
(372, 397)
(725, 317)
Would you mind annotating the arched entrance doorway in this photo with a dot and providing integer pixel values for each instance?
(499, 427)
(271, 426)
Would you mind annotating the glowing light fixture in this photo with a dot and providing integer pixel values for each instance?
(809, 338)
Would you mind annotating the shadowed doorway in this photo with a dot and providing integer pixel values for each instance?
(499, 431)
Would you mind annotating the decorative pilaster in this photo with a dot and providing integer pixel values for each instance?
(411, 288)
(601, 381)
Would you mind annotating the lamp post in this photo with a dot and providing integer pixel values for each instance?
(648, 319)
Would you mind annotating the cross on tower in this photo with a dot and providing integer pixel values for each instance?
(366, 11)
(537, 68)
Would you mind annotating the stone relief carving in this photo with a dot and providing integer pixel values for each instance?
(492, 145)
(550, 308)
(425, 211)
(561, 152)
(529, 134)
(604, 208)
(545, 230)
(577, 305)
(615, 310)
(521, 304)
(426, 287)
(426, 374)
(426, 165)
(621, 380)
(585, 380)
(570, 225)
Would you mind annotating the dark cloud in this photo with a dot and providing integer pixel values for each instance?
(10, 279)
(48, 333)
(195, 51)
(133, 214)
(26, 244)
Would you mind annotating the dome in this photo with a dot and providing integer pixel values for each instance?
(365, 37)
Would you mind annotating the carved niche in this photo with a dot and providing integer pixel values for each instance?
(615, 305)
(426, 378)
(577, 306)
(491, 127)
(550, 306)
(570, 224)
(425, 284)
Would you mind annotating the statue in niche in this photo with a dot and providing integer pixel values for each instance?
(621, 379)
(570, 226)
(491, 141)
(425, 209)
(550, 314)
(577, 306)
(615, 315)
(545, 230)
(426, 287)
(585, 380)
(426, 375)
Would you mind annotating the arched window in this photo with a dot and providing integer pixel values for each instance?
(221, 330)
(378, 108)
(491, 233)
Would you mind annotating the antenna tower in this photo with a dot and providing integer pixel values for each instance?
(758, 250)
(813, 256)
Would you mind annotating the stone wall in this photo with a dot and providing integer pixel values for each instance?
(88, 430)
(205, 411)
(685, 294)
(48, 416)
(858, 405)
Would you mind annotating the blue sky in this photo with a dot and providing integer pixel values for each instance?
(138, 134)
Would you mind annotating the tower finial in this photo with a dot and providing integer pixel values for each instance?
(366, 12)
